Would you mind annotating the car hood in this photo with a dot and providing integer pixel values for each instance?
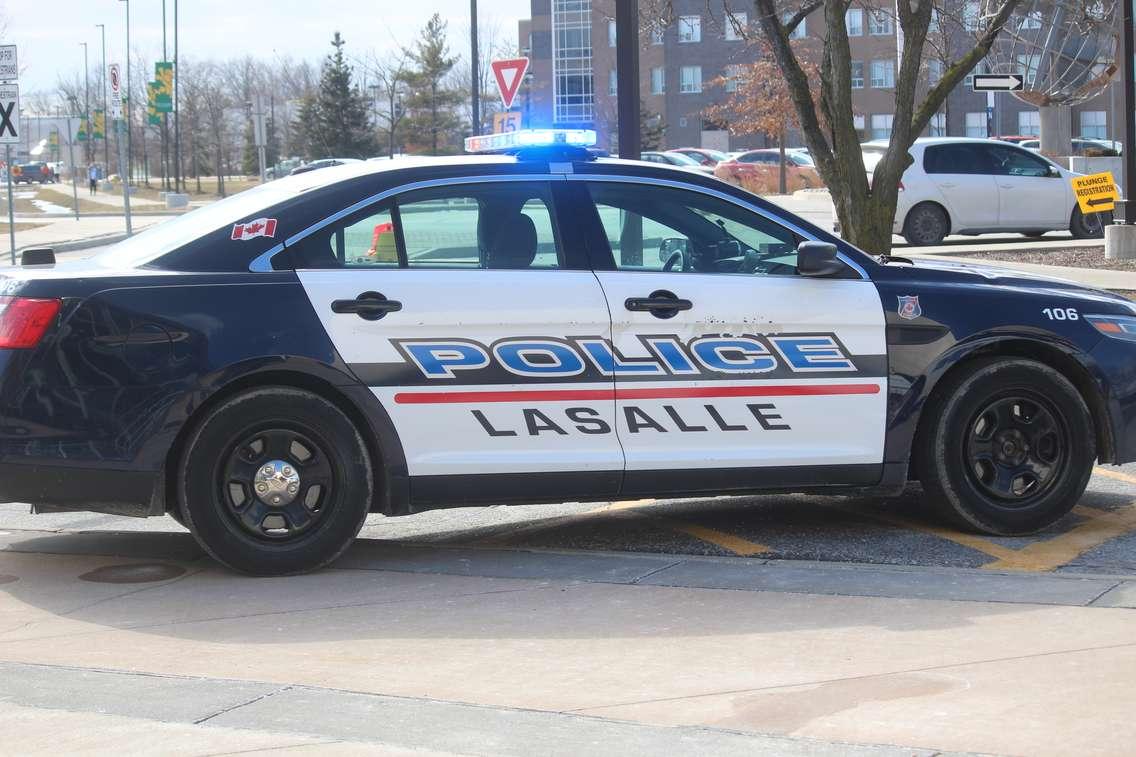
(978, 274)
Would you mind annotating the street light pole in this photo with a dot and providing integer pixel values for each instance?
(86, 106)
(103, 76)
(1129, 211)
(177, 114)
(475, 84)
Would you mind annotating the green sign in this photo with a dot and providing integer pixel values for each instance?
(152, 113)
(164, 75)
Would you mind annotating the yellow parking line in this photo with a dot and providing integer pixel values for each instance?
(736, 544)
(1115, 474)
(1100, 526)
(967, 540)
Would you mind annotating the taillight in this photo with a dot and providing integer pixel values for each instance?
(24, 321)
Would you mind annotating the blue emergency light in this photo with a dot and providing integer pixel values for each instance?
(513, 142)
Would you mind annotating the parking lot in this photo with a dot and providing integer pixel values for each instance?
(1099, 537)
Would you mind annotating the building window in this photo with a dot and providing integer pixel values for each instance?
(971, 14)
(690, 28)
(1093, 124)
(857, 74)
(1029, 123)
(934, 71)
(976, 124)
(735, 26)
(658, 80)
(734, 72)
(858, 122)
(982, 68)
(881, 125)
(612, 85)
(938, 125)
(690, 79)
(1027, 67)
(1031, 21)
(572, 81)
(657, 36)
(933, 25)
(854, 22)
(883, 74)
(798, 30)
(880, 23)
(611, 33)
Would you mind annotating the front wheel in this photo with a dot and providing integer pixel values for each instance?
(275, 481)
(1009, 446)
(926, 224)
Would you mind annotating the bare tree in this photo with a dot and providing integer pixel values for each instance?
(389, 70)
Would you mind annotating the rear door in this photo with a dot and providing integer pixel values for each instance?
(963, 175)
(456, 304)
(731, 370)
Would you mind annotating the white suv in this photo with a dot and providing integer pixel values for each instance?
(977, 186)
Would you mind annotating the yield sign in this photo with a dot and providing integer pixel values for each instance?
(509, 75)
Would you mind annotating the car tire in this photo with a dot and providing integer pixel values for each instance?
(1009, 446)
(275, 481)
(1088, 228)
(926, 224)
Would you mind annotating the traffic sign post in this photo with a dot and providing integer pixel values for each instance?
(1095, 193)
(9, 135)
(509, 74)
(999, 82)
(114, 75)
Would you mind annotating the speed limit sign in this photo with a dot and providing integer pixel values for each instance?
(114, 76)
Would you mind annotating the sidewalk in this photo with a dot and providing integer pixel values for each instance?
(102, 198)
(68, 234)
(511, 652)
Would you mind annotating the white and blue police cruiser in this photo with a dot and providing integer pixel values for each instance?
(536, 326)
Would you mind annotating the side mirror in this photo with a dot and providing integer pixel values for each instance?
(1052, 172)
(818, 259)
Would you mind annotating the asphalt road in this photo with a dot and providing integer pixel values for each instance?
(1099, 537)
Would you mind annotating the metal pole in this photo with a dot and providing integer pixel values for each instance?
(627, 77)
(165, 116)
(86, 110)
(129, 109)
(177, 117)
(122, 171)
(475, 84)
(11, 208)
(1129, 114)
(74, 173)
(106, 114)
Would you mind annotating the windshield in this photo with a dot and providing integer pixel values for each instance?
(681, 160)
(167, 236)
(801, 159)
(872, 156)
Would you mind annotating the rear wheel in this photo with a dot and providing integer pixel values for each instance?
(926, 224)
(1089, 226)
(275, 481)
(1009, 447)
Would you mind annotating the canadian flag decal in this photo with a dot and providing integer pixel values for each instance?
(261, 227)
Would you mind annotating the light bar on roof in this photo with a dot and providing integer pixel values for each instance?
(514, 140)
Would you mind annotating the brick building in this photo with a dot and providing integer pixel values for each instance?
(572, 77)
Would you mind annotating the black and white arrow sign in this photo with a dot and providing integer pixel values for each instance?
(998, 82)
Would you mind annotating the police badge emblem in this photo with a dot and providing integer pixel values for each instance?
(909, 307)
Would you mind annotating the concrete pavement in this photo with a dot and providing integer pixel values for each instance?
(70, 234)
(521, 653)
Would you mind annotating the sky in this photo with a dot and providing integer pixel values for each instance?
(49, 33)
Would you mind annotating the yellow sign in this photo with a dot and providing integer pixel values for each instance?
(1096, 193)
(506, 121)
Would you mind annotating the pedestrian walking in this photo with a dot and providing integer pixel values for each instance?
(93, 175)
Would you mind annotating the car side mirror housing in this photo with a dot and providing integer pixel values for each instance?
(818, 259)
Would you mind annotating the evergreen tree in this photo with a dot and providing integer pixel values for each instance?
(335, 122)
(431, 103)
(309, 136)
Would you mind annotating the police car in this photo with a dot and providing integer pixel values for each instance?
(537, 326)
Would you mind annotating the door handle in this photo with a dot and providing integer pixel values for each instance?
(660, 303)
(947, 184)
(1006, 186)
(370, 306)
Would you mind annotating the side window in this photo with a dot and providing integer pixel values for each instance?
(506, 225)
(1010, 161)
(956, 159)
(653, 228)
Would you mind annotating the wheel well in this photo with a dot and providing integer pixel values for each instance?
(938, 205)
(289, 379)
(1055, 359)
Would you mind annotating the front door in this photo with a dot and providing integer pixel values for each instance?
(1031, 194)
(731, 370)
(457, 306)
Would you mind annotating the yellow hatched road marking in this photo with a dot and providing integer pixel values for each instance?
(736, 544)
(1100, 526)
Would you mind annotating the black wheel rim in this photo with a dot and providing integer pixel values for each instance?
(1016, 449)
(927, 227)
(276, 483)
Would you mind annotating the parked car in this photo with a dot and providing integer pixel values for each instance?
(1089, 147)
(38, 172)
(676, 159)
(762, 168)
(957, 185)
(703, 155)
(1016, 139)
(323, 163)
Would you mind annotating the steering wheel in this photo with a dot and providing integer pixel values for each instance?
(676, 257)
